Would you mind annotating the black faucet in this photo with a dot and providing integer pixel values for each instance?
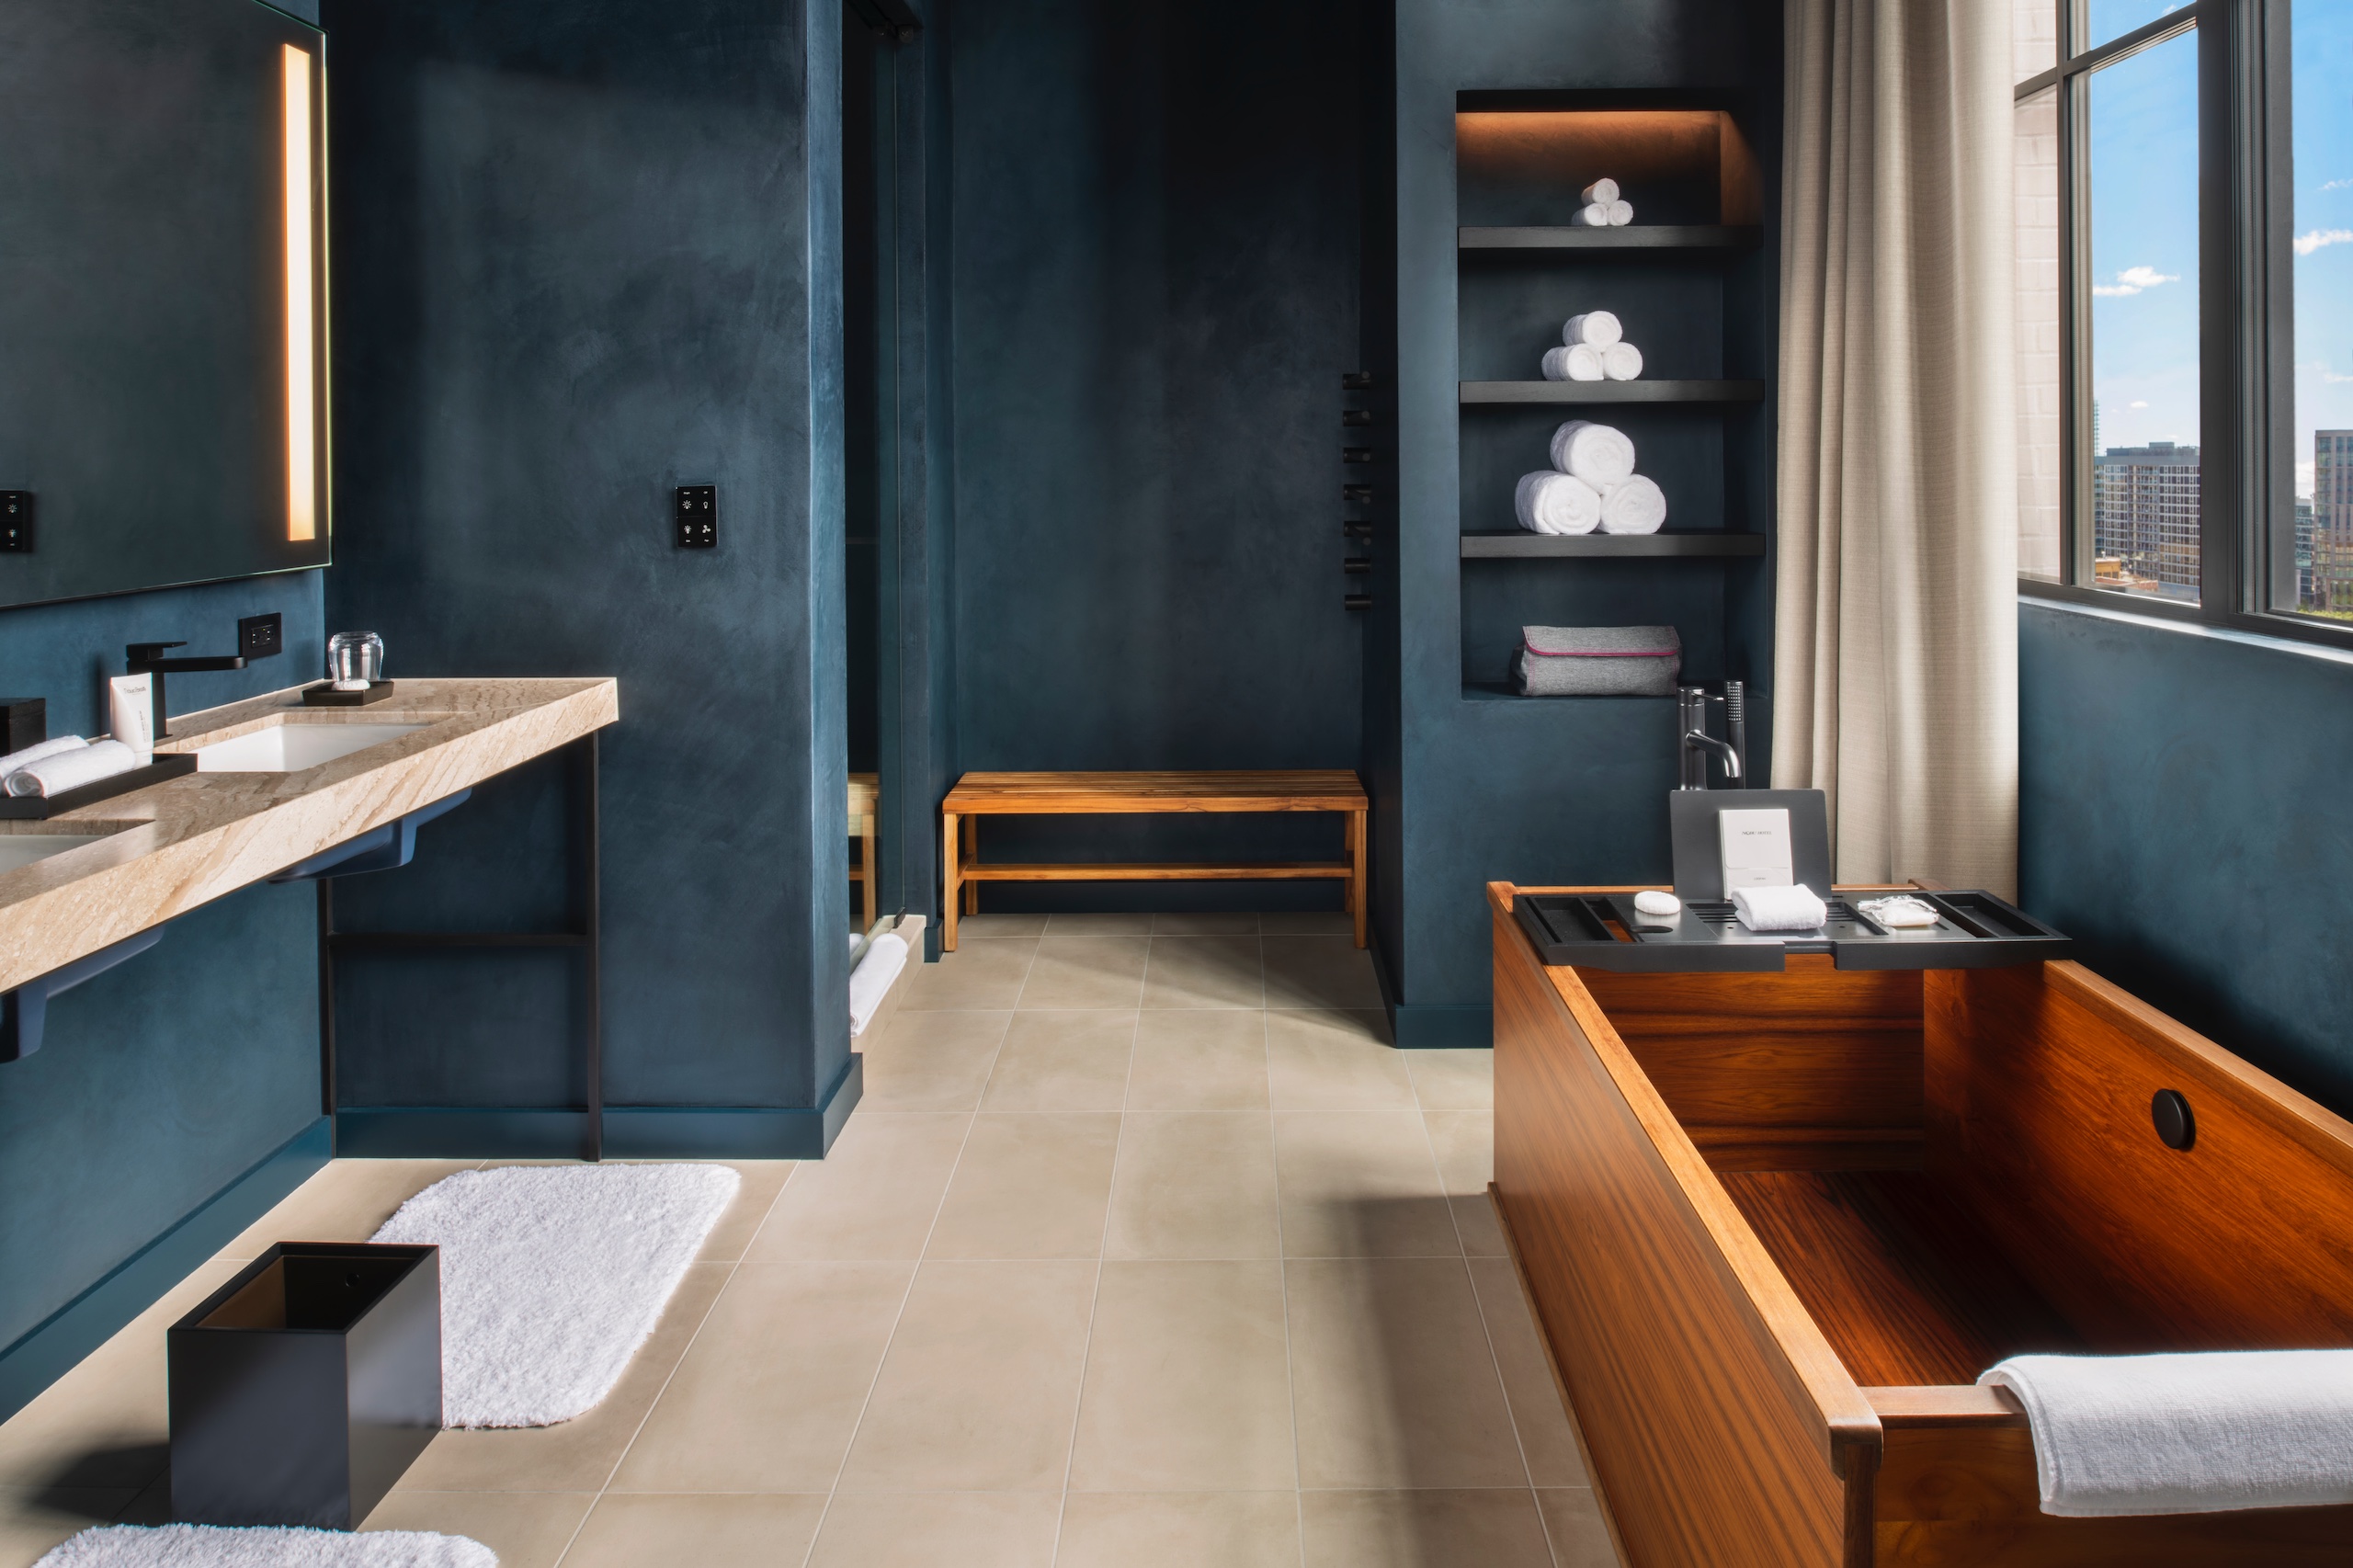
(258, 637)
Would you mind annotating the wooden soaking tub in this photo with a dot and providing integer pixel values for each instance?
(1775, 1225)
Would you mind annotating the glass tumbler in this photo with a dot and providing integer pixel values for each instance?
(356, 656)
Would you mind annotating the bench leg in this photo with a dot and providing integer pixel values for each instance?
(971, 852)
(951, 876)
(1358, 822)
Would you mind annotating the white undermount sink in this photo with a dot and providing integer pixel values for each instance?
(289, 748)
(20, 849)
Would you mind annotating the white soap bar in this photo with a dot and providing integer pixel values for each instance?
(1902, 912)
(1756, 846)
(1665, 906)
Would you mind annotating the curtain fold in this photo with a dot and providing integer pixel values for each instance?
(1895, 644)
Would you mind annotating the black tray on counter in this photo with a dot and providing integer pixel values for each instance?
(1974, 930)
(39, 807)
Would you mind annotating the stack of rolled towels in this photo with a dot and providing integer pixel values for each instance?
(1592, 348)
(1599, 207)
(51, 767)
(1591, 484)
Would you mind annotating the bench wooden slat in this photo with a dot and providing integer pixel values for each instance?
(1162, 871)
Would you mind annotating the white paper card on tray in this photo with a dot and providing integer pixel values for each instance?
(1757, 848)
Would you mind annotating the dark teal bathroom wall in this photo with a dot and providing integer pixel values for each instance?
(585, 253)
(2182, 816)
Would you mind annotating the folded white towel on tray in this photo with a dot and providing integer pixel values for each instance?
(1575, 362)
(60, 744)
(1779, 909)
(1622, 362)
(1633, 505)
(1598, 328)
(72, 769)
(1601, 190)
(2186, 1434)
(1551, 502)
(1595, 453)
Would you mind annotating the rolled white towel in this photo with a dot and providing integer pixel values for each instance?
(1598, 328)
(1633, 505)
(72, 769)
(1602, 190)
(1779, 909)
(1592, 215)
(1595, 453)
(1574, 362)
(1620, 213)
(1551, 502)
(1622, 362)
(39, 749)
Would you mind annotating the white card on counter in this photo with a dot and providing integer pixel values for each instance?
(1757, 848)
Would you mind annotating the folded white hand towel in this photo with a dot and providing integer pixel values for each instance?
(1622, 362)
(2186, 1434)
(1578, 362)
(1592, 215)
(1620, 214)
(1633, 505)
(1779, 909)
(1601, 190)
(39, 749)
(72, 769)
(1599, 328)
(1597, 454)
(870, 980)
(1549, 502)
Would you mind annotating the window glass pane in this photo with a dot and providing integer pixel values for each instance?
(2034, 36)
(2322, 93)
(2106, 19)
(2042, 399)
(2143, 158)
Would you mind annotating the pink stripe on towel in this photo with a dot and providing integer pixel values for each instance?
(1566, 653)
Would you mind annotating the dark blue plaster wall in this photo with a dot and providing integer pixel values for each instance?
(1156, 276)
(2182, 817)
(585, 253)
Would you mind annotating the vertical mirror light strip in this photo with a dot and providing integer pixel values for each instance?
(301, 412)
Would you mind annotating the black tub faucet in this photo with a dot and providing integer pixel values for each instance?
(258, 637)
(1691, 720)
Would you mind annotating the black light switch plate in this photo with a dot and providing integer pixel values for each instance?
(24, 721)
(695, 512)
(17, 522)
(260, 636)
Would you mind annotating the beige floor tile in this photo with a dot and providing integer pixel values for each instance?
(1030, 1187)
(971, 1530)
(1453, 1080)
(768, 1397)
(982, 973)
(1242, 923)
(1481, 1232)
(1572, 1519)
(738, 1532)
(527, 1529)
(1000, 926)
(1546, 1439)
(874, 1195)
(1194, 1184)
(1323, 1061)
(1422, 1529)
(931, 1060)
(31, 1522)
(763, 1179)
(1086, 971)
(1392, 1380)
(980, 1390)
(1464, 1143)
(573, 1456)
(1319, 972)
(1360, 1184)
(1204, 971)
(1199, 1059)
(348, 1201)
(1098, 925)
(1308, 923)
(1186, 1381)
(1180, 1530)
(1063, 1061)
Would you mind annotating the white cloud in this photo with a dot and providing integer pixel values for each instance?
(2307, 244)
(2137, 404)
(2337, 185)
(2333, 378)
(2132, 280)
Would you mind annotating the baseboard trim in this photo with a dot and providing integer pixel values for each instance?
(631, 1132)
(57, 1345)
(1433, 1027)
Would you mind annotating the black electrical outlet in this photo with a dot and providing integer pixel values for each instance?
(1356, 493)
(260, 636)
(1356, 416)
(17, 522)
(1355, 454)
(696, 514)
(1356, 381)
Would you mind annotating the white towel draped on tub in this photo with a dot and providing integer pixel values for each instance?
(1595, 453)
(1598, 328)
(1549, 501)
(2188, 1433)
(1575, 362)
(72, 769)
(1633, 505)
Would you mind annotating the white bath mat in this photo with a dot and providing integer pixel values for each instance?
(552, 1276)
(208, 1546)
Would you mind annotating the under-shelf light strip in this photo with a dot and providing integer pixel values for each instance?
(301, 409)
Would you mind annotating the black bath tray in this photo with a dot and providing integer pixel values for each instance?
(1974, 930)
(37, 808)
(323, 694)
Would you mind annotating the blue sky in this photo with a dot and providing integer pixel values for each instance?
(2145, 239)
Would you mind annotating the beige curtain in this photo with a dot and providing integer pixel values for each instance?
(1895, 649)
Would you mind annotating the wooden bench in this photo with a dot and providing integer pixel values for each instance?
(977, 795)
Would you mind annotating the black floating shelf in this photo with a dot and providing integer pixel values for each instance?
(1629, 236)
(1573, 393)
(1521, 545)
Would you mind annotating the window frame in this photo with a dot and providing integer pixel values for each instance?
(2246, 318)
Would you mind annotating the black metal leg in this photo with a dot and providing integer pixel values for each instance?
(591, 917)
(327, 1006)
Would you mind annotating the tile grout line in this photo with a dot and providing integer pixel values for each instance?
(1282, 1274)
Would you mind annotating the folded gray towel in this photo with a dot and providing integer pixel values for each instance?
(1596, 661)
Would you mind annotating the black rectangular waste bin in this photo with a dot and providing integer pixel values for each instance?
(304, 1387)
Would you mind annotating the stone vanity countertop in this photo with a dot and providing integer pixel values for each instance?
(178, 844)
